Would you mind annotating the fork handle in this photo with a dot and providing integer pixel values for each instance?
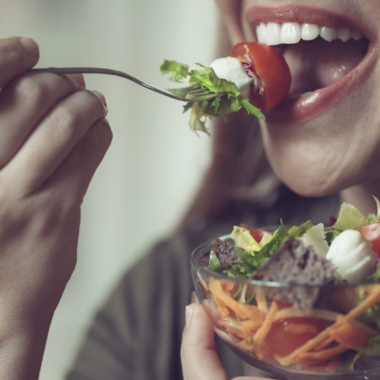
(97, 70)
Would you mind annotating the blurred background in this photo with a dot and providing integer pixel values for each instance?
(155, 163)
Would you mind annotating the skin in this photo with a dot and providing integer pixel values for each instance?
(54, 135)
(340, 145)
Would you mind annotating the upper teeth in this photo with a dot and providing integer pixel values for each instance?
(291, 33)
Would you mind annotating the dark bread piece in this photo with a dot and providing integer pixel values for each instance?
(226, 253)
(294, 263)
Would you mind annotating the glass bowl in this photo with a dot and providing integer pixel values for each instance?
(268, 325)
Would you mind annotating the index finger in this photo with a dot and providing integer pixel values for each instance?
(17, 55)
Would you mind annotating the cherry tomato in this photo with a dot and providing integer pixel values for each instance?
(286, 335)
(257, 234)
(372, 234)
(271, 68)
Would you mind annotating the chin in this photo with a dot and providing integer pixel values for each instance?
(312, 165)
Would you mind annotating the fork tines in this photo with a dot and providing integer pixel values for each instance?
(195, 92)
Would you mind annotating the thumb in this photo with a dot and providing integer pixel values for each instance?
(200, 360)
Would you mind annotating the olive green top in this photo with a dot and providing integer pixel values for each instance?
(137, 334)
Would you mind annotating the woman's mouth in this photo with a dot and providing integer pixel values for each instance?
(327, 56)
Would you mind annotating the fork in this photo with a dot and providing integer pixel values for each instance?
(190, 94)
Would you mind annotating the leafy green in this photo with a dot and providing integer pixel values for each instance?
(372, 218)
(230, 99)
(299, 231)
(373, 313)
(350, 218)
(243, 238)
(373, 349)
(214, 264)
(331, 233)
(178, 71)
(238, 291)
(378, 207)
(278, 239)
(250, 297)
(251, 261)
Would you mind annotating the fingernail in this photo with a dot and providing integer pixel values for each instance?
(30, 46)
(103, 100)
(188, 315)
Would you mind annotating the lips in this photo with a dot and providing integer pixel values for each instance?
(317, 86)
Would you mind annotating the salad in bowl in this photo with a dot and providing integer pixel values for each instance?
(300, 302)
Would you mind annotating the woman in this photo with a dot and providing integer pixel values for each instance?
(330, 147)
(324, 143)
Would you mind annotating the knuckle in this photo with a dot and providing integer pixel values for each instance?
(35, 90)
(65, 122)
(32, 92)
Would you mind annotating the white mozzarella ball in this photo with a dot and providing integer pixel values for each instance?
(352, 255)
(317, 239)
(231, 69)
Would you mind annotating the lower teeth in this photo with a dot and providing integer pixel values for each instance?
(306, 94)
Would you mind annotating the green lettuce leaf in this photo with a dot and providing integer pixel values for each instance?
(372, 218)
(178, 71)
(279, 238)
(331, 233)
(251, 261)
(214, 263)
(350, 218)
(230, 99)
(373, 349)
(376, 218)
(299, 231)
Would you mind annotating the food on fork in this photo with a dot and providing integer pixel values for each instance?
(322, 311)
(255, 77)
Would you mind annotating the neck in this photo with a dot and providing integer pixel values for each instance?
(361, 196)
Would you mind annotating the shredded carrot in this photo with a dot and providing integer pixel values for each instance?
(364, 305)
(263, 331)
(307, 346)
(333, 365)
(350, 336)
(223, 309)
(261, 302)
(311, 358)
(244, 311)
(277, 357)
(249, 327)
(227, 285)
(360, 309)
(231, 329)
(324, 344)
